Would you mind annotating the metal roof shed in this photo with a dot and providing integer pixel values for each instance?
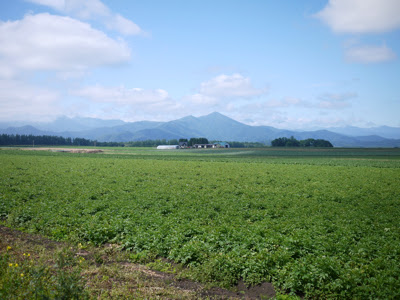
(167, 147)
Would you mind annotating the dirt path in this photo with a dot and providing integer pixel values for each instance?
(110, 274)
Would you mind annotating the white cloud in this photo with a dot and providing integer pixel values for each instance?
(286, 102)
(56, 43)
(20, 101)
(123, 25)
(202, 99)
(122, 95)
(369, 54)
(333, 105)
(337, 97)
(88, 9)
(129, 104)
(336, 100)
(93, 10)
(222, 93)
(361, 16)
(230, 86)
(55, 4)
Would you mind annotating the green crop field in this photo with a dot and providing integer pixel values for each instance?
(323, 223)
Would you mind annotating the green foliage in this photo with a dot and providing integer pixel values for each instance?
(194, 141)
(323, 222)
(292, 142)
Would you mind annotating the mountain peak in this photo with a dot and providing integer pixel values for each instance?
(187, 118)
(214, 126)
(216, 114)
(218, 118)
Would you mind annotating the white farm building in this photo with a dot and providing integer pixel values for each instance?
(167, 147)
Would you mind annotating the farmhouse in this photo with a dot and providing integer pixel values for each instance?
(183, 145)
(167, 147)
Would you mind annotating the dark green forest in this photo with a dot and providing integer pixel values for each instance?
(292, 142)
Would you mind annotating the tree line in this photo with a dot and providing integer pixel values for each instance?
(46, 140)
(292, 142)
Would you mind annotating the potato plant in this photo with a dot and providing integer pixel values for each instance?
(323, 226)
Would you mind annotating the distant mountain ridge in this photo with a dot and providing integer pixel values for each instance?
(214, 126)
(383, 131)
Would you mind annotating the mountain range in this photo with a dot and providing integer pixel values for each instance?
(214, 126)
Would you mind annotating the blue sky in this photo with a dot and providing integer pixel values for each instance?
(288, 64)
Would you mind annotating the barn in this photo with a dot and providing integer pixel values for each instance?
(221, 145)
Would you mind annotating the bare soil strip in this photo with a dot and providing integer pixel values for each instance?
(68, 150)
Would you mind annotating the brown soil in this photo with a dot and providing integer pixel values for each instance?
(159, 281)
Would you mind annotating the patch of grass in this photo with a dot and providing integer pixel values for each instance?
(162, 266)
(25, 277)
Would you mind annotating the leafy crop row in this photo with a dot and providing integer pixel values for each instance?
(328, 231)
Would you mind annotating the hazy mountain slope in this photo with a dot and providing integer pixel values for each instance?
(62, 124)
(111, 134)
(65, 124)
(155, 134)
(383, 131)
(27, 130)
(214, 126)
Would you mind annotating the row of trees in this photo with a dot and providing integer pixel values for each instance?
(151, 143)
(194, 141)
(45, 140)
(292, 142)
(154, 143)
(31, 140)
(34, 140)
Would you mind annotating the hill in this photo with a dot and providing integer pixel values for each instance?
(214, 126)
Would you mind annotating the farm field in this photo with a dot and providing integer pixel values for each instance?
(322, 223)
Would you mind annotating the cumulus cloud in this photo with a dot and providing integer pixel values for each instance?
(336, 100)
(202, 99)
(286, 102)
(361, 16)
(55, 4)
(338, 96)
(93, 10)
(222, 93)
(19, 100)
(121, 95)
(230, 86)
(129, 104)
(56, 43)
(123, 25)
(369, 54)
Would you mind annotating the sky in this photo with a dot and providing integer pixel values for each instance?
(288, 64)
